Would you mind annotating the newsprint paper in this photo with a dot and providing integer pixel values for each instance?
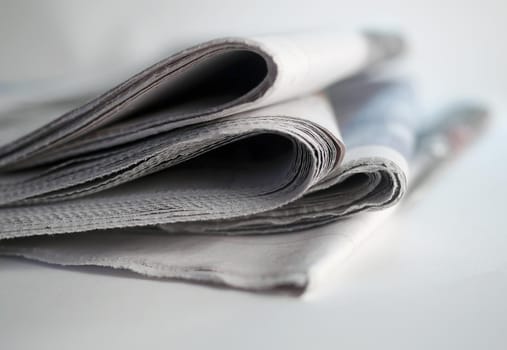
(221, 163)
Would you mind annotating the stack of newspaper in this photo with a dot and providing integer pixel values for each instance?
(223, 162)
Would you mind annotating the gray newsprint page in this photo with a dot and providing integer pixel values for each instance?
(221, 163)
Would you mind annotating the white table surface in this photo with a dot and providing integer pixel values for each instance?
(434, 278)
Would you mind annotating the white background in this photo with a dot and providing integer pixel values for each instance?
(435, 277)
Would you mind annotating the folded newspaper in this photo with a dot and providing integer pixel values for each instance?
(218, 164)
